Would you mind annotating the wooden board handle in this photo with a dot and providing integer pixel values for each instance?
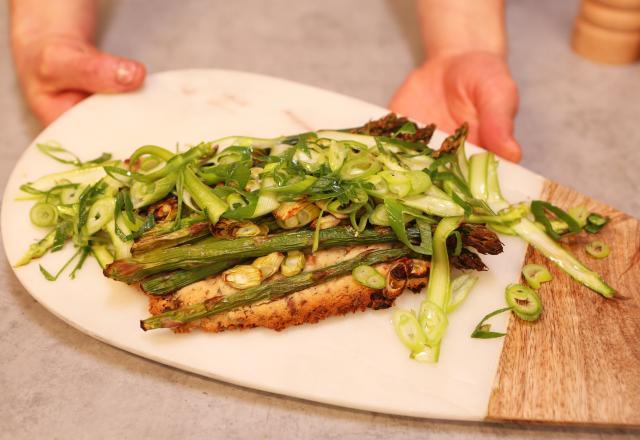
(580, 363)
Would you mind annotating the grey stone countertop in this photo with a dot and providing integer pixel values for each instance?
(578, 123)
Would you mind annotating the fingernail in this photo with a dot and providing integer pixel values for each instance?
(125, 72)
(513, 151)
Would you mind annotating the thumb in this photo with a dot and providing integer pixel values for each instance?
(79, 66)
(497, 106)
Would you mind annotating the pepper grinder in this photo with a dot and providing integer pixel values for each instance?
(608, 31)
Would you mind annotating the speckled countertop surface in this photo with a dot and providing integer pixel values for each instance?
(578, 124)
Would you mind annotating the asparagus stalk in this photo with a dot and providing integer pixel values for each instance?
(165, 283)
(210, 250)
(152, 242)
(268, 291)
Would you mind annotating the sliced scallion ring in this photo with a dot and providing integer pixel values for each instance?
(536, 274)
(433, 321)
(597, 249)
(409, 331)
(43, 215)
(398, 181)
(524, 302)
(579, 214)
(356, 169)
(420, 181)
(337, 155)
(595, 222)
(380, 187)
(368, 276)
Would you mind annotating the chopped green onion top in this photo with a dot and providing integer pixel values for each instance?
(595, 222)
(43, 214)
(536, 274)
(483, 331)
(524, 302)
(597, 249)
(368, 276)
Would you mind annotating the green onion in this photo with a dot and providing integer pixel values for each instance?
(536, 274)
(49, 277)
(439, 288)
(359, 169)
(478, 167)
(433, 321)
(368, 276)
(420, 181)
(460, 288)
(151, 150)
(538, 208)
(311, 159)
(379, 216)
(377, 186)
(398, 182)
(597, 249)
(579, 214)
(567, 262)
(483, 331)
(269, 264)
(213, 206)
(146, 193)
(100, 213)
(524, 302)
(337, 155)
(43, 215)
(409, 331)
(395, 216)
(595, 222)
(71, 195)
(243, 276)
(84, 253)
(293, 263)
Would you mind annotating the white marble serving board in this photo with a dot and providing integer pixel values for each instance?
(353, 361)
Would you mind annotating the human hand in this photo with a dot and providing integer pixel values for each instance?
(56, 72)
(472, 86)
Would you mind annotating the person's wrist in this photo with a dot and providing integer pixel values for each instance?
(496, 48)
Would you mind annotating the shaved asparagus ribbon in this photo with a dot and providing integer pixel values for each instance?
(485, 185)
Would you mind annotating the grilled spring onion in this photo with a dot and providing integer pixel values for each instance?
(368, 276)
(242, 276)
(169, 282)
(523, 301)
(268, 291)
(535, 275)
(293, 264)
(597, 249)
(269, 264)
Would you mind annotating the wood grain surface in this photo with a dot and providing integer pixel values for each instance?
(580, 363)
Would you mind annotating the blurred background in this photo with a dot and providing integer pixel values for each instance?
(578, 124)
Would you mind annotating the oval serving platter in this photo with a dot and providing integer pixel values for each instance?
(353, 361)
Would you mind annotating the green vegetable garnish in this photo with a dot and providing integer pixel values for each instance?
(536, 274)
(597, 249)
